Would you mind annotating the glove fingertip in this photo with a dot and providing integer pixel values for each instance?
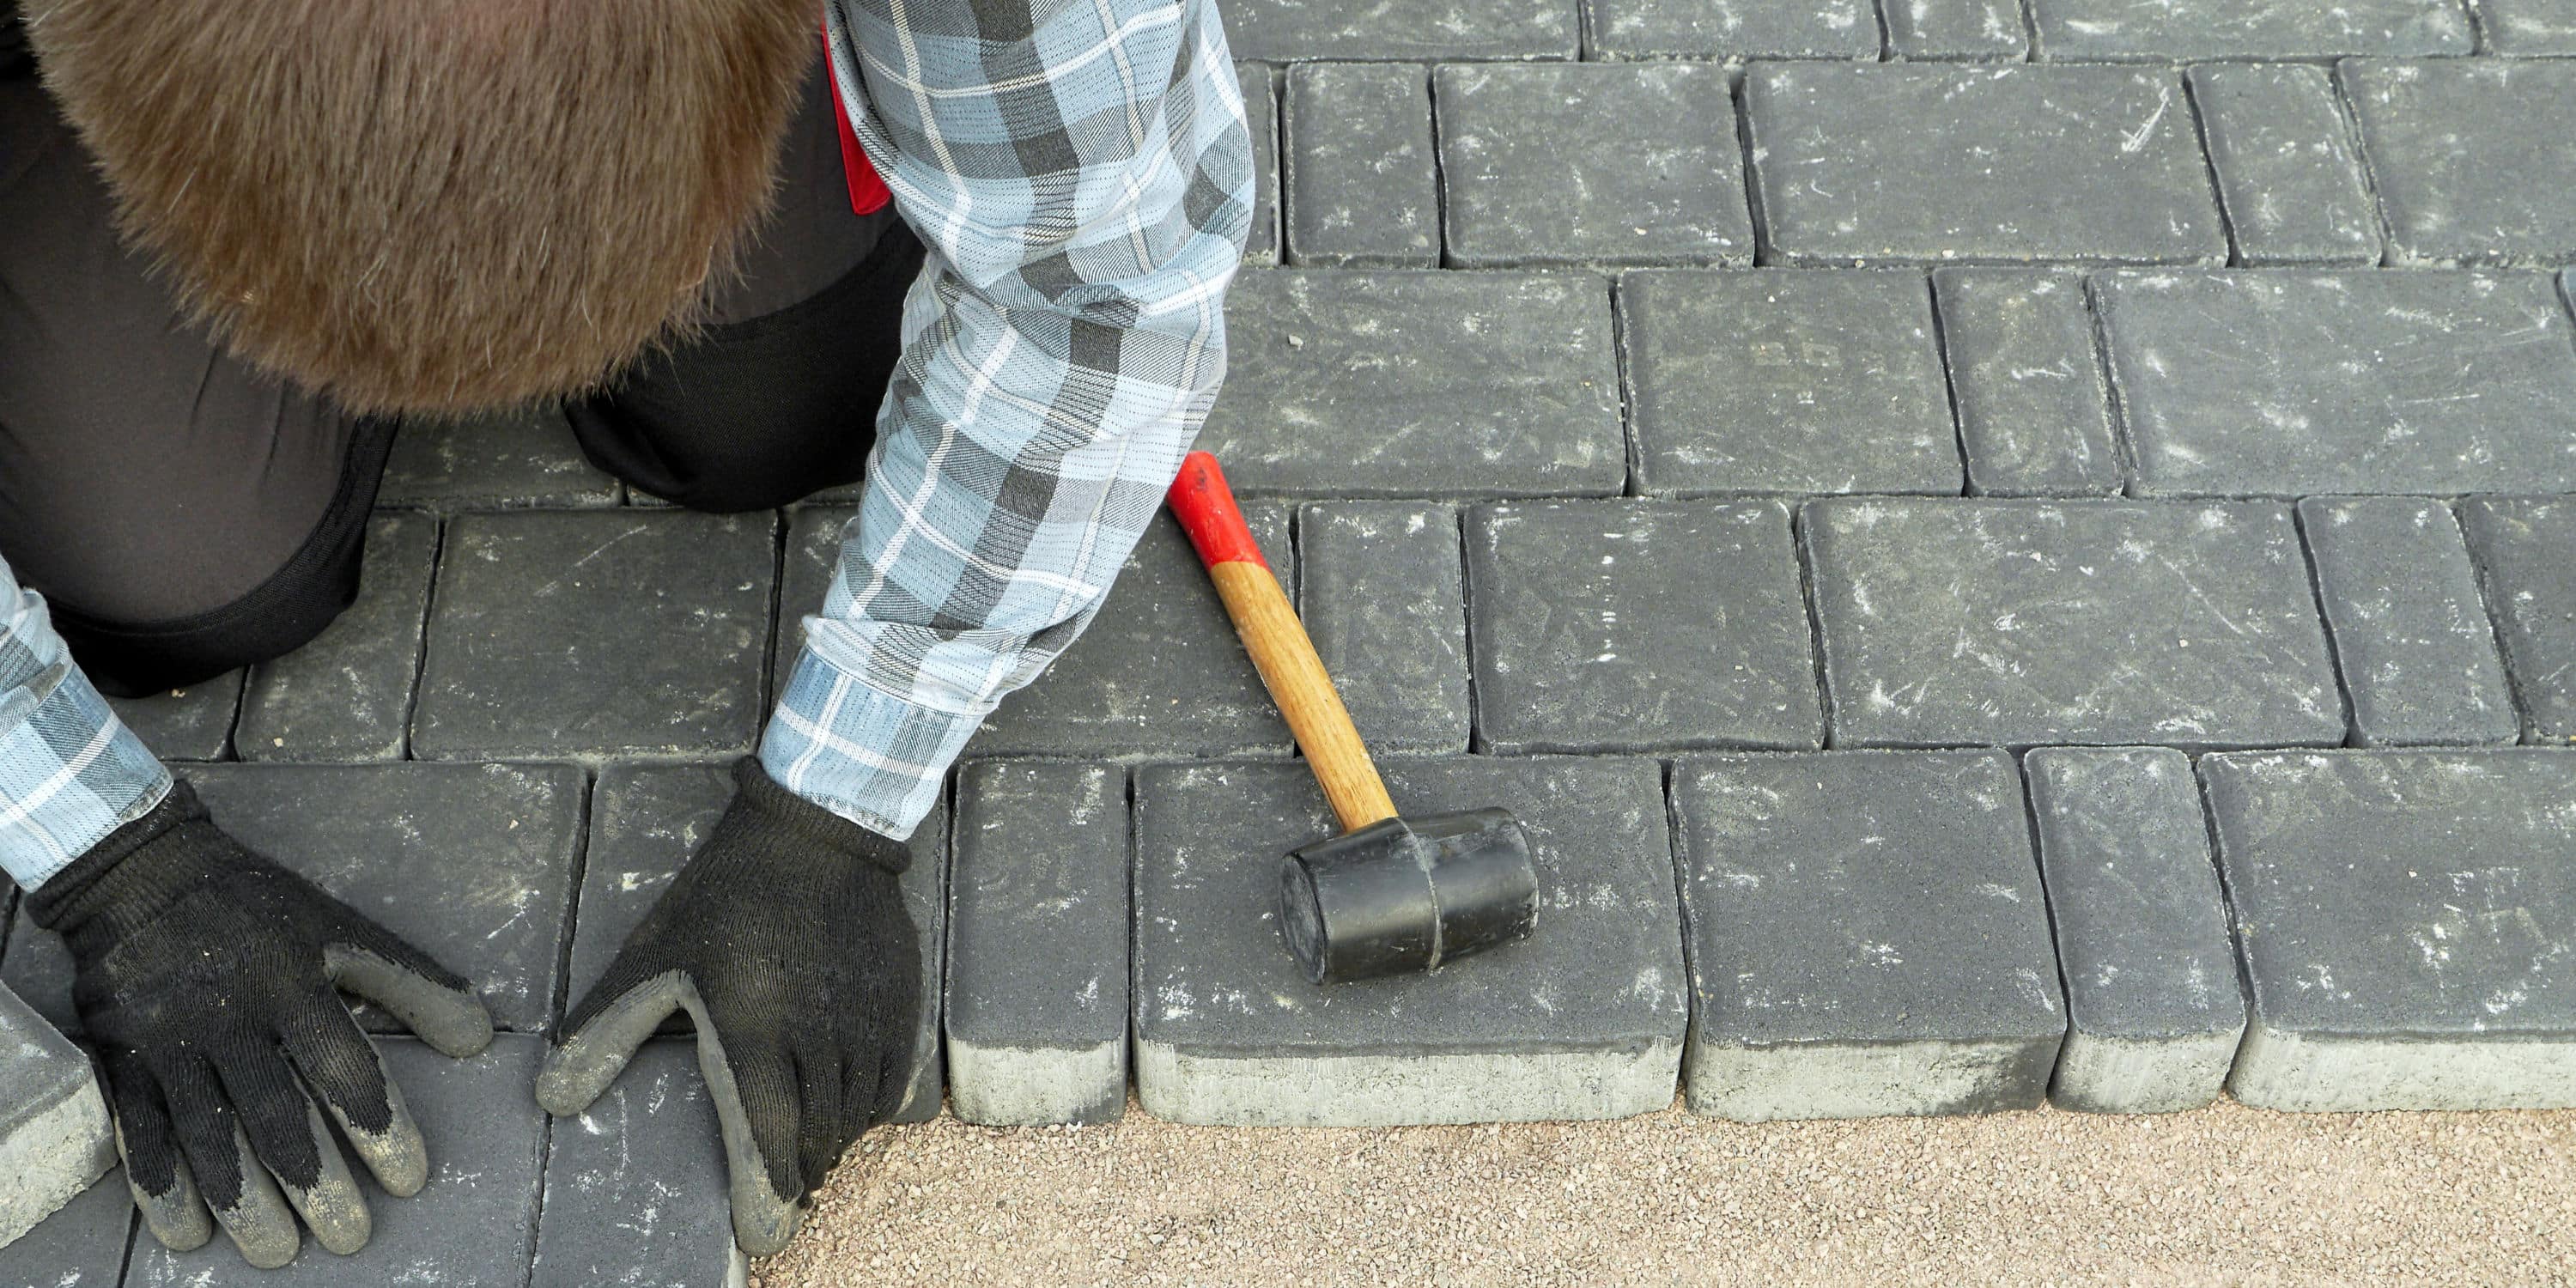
(572, 1078)
(763, 1223)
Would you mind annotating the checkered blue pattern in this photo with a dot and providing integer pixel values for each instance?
(70, 771)
(1082, 175)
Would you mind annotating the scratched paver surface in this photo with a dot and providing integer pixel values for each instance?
(1856, 428)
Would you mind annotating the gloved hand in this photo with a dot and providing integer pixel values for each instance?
(205, 975)
(786, 940)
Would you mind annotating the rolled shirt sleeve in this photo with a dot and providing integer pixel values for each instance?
(70, 771)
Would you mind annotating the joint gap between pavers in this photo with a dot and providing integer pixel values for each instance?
(2526, 721)
(1886, 31)
(1677, 843)
(2325, 622)
(2567, 291)
(1800, 543)
(2349, 113)
(1439, 173)
(1632, 450)
(2124, 450)
(559, 1005)
(2481, 40)
(1477, 745)
(1736, 82)
(2048, 909)
(770, 681)
(428, 615)
(2227, 905)
(1949, 386)
(2209, 171)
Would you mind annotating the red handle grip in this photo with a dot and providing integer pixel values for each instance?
(1206, 509)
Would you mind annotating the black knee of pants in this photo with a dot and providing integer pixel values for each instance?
(758, 413)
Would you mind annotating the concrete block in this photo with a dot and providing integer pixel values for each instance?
(509, 458)
(628, 633)
(2010, 623)
(2522, 546)
(1867, 936)
(1404, 30)
(2411, 636)
(2153, 1009)
(2301, 383)
(2174, 30)
(37, 967)
(1623, 626)
(1786, 382)
(1582, 1020)
(1732, 29)
(347, 695)
(2289, 175)
(1930, 163)
(1363, 191)
(82, 1245)
(2034, 408)
(1508, 386)
(1261, 117)
(1383, 592)
(54, 1134)
(1036, 1007)
(635, 1186)
(2407, 924)
(2469, 157)
(1957, 30)
(194, 723)
(1590, 163)
(2528, 26)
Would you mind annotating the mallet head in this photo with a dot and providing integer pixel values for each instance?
(1407, 895)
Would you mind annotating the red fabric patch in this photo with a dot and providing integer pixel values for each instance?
(868, 193)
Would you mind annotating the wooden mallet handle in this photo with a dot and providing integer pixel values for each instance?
(1278, 644)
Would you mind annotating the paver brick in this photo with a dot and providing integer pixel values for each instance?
(474, 1223)
(1584, 1019)
(512, 458)
(194, 723)
(648, 820)
(1638, 624)
(1590, 163)
(1159, 671)
(2153, 1009)
(1867, 936)
(1036, 1006)
(635, 1186)
(2523, 545)
(2407, 922)
(80, 1246)
(1403, 30)
(2529, 26)
(1927, 162)
(1957, 30)
(2034, 408)
(1383, 592)
(1261, 116)
(54, 1135)
(2289, 176)
(1362, 188)
(559, 633)
(2470, 157)
(2011, 623)
(1390, 384)
(2411, 636)
(1733, 28)
(347, 695)
(2298, 383)
(37, 967)
(2173, 30)
(1792, 382)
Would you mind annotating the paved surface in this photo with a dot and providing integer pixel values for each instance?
(2008, 551)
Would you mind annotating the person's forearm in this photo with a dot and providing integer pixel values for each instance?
(1058, 360)
(70, 771)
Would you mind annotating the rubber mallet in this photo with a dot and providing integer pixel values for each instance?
(1389, 895)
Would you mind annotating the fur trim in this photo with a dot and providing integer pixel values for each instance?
(433, 205)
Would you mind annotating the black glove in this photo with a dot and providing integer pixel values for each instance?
(786, 940)
(205, 976)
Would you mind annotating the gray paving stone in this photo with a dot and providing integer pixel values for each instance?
(474, 1223)
(2010, 623)
(1362, 188)
(54, 1136)
(1036, 1006)
(2470, 157)
(2417, 653)
(1590, 163)
(2407, 922)
(1261, 115)
(80, 1246)
(1957, 30)
(2288, 173)
(2173, 30)
(813, 554)
(347, 695)
(1793, 382)
(560, 634)
(2153, 1009)
(1384, 596)
(1992, 165)
(645, 822)
(1867, 936)
(2528, 26)
(1582, 1020)
(1403, 30)
(194, 723)
(1623, 626)
(2523, 547)
(525, 457)
(1159, 672)
(38, 968)
(1732, 28)
(2034, 409)
(1380, 384)
(635, 1186)
(2297, 383)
